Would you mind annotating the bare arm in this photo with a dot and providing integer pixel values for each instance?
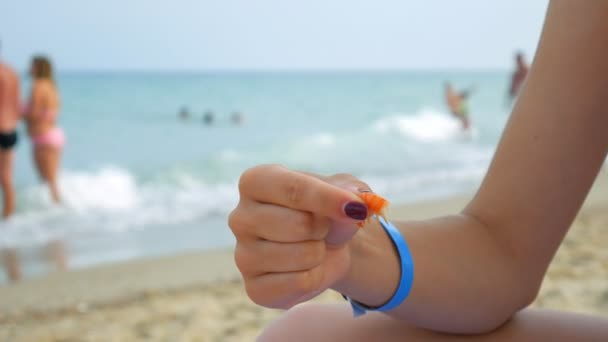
(474, 270)
(37, 104)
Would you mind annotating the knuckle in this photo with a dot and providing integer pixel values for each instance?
(233, 220)
(247, 178)
(344, 176)
(307, 281)
(294, 191)
(242, 259)
(250, 176)
(254, 293)
(237, 223)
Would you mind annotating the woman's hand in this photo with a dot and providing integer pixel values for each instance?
(293, 231)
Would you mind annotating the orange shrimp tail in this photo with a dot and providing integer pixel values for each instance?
(376, 205)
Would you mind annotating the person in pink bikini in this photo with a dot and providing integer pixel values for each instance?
(40, 115)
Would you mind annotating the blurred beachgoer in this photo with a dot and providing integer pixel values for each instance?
(237, 118)
(457, 103)
(467, 276)
(41, 114)
(208, 117)
(519, 75)
(184, 113)
(9, 116)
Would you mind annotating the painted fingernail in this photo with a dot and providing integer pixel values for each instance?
(355, 210)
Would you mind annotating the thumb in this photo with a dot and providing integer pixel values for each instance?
(341, 231)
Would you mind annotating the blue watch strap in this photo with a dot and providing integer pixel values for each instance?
(406, 278)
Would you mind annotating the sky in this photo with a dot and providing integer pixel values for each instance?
(270, 34)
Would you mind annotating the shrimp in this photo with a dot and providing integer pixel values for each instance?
(376, 205)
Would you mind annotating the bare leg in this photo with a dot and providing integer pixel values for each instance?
(54, 158)
(334, 322)
(47, 162)
(39, 161)
(6, 181)
(56, 252)
(9, 256)
(11, 264)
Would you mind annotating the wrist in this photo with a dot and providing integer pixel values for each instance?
(374, 271)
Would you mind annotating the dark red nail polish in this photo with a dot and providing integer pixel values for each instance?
(356, 210)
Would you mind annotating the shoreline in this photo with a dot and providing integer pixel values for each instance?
(201, 292)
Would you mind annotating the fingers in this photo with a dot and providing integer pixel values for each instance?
(253, 220)
(283, 290)
(278, 185)
(284, 223)
(263, 257)
(348, 182)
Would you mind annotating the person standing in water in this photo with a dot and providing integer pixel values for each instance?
(457, 103)
(9, 116)
(519, 75)
(41, 117)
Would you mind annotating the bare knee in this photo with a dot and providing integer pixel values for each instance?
(323, 322)
(292, 323)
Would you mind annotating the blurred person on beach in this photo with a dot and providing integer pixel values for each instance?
(41, 113)
(519, 75)
(458, 105)
(475, 272)
(9, 117)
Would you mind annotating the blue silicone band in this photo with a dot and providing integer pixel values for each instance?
(407, 273)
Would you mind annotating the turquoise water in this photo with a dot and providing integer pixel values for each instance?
(137, 181)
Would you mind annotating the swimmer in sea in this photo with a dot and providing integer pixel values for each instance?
(184, 113)
(519, 75)
(457, 103)
(237, 118)
(208, 118)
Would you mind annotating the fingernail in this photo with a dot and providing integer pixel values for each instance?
(356, 210)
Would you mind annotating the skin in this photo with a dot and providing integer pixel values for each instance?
(305, 323)
(9, 117)
(44, 99)
(474, 271)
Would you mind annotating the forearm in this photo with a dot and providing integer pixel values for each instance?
(473, 271)
(464, 281)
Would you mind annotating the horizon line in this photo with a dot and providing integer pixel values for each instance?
(279, 70)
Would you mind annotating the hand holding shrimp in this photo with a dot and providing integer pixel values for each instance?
(292, 231)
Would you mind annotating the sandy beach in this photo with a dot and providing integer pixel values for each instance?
(198, 296)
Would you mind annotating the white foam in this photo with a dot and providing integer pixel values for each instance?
(111, 188)
(426, 125)
(111, 199)
(322, 139)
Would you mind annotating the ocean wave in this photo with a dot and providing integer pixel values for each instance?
(112, 199)
(425, 125)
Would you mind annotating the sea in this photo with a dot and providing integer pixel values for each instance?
(138, 180)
